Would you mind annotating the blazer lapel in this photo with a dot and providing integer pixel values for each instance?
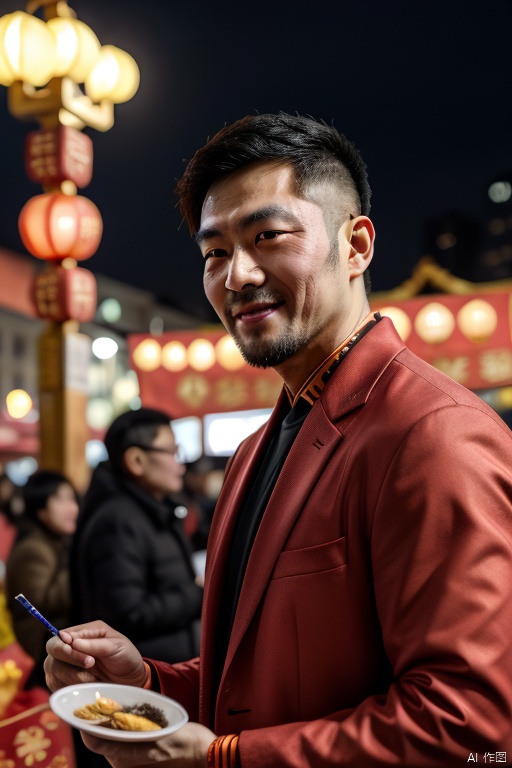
(314, 444)
(219, 546)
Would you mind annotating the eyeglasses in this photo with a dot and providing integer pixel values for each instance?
(177, 452)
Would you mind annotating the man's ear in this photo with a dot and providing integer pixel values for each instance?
(134, 461)
(362, 238)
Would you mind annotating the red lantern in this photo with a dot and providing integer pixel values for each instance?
(54, 226)
(54, 155)
(65, 294)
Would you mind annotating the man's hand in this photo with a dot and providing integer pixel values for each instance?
(90, 652)
(186, 748)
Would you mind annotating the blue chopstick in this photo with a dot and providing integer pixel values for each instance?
(30, 608)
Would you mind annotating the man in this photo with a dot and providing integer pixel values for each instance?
(357, 604)
(132, 563)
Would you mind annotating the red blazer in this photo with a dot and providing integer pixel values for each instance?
(374, 622)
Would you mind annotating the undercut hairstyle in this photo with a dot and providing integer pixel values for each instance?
(130, 429)
(38, 489)
(318, 153)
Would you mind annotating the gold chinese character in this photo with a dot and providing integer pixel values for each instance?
(231, 391)
(456, 368)
(193, 390)
(496, 366)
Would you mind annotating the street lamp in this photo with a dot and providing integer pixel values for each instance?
(59, 74)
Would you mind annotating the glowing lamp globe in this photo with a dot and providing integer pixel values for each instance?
(477, 320)
(174, 356)
(400, 320)
(228, 354)
(434, 323)
(28, 50)
(78, 48)
(147, 355)
(54, 226)
(18, 403)
(115, 77)
(201, 355)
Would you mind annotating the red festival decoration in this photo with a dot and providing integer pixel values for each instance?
(199, 372)
(54, 155)
(65, 294)
(468, 337)
(54, 226)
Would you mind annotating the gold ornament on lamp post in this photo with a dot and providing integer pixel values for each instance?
(59, 74)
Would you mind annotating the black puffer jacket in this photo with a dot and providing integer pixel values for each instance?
(131, 567)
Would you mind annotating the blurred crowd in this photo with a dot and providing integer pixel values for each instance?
(130, 552)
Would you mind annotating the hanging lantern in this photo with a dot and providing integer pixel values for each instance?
(115, 77)
(54, 226)
(65, 294)
(28, 50)
(78, 48)
(54, 155)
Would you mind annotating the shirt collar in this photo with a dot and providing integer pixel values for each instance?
(316, 381)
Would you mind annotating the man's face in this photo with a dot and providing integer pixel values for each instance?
(271, 273)
(162, 472)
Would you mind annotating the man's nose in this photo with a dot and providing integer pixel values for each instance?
(243, 271)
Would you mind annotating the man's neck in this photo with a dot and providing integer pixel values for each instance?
(299, 368)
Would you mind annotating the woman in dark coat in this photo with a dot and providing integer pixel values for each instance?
(132, 563)
(38, 563)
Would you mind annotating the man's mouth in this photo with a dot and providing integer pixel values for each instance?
(256, 312)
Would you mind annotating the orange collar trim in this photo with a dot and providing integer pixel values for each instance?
(314, 384)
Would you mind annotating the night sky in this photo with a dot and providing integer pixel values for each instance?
(423, 89)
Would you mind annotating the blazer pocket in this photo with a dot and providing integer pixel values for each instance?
(322, 557)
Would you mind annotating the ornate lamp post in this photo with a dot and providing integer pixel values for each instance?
(58, 74)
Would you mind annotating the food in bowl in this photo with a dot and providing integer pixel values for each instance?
(110, 714)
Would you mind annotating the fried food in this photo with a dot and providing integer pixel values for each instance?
(107, 706)
(89, 712)
(100, 711)
(126, 721)
(109, 713)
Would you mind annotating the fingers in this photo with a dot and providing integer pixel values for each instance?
(119, 755)
(81, 644)
(91, 629)
(67, 652)
(59, 674)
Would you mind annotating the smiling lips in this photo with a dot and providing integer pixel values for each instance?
(255, 313)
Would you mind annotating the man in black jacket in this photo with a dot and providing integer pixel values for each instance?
(132, 560)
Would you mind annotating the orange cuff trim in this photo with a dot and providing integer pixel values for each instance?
(223, 753)
(149, 679)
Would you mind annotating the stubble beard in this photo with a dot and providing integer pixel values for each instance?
(261, 352)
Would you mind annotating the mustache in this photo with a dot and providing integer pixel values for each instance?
(235, 302)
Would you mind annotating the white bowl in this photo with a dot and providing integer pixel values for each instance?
(65, 701)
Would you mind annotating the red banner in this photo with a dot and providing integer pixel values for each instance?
(192, 373)
(467, 337)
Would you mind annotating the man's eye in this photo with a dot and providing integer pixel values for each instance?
(215, 253)
(269, 234)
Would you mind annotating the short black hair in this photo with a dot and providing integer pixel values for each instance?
(133, 428)
(38, 489)
(317, 152)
